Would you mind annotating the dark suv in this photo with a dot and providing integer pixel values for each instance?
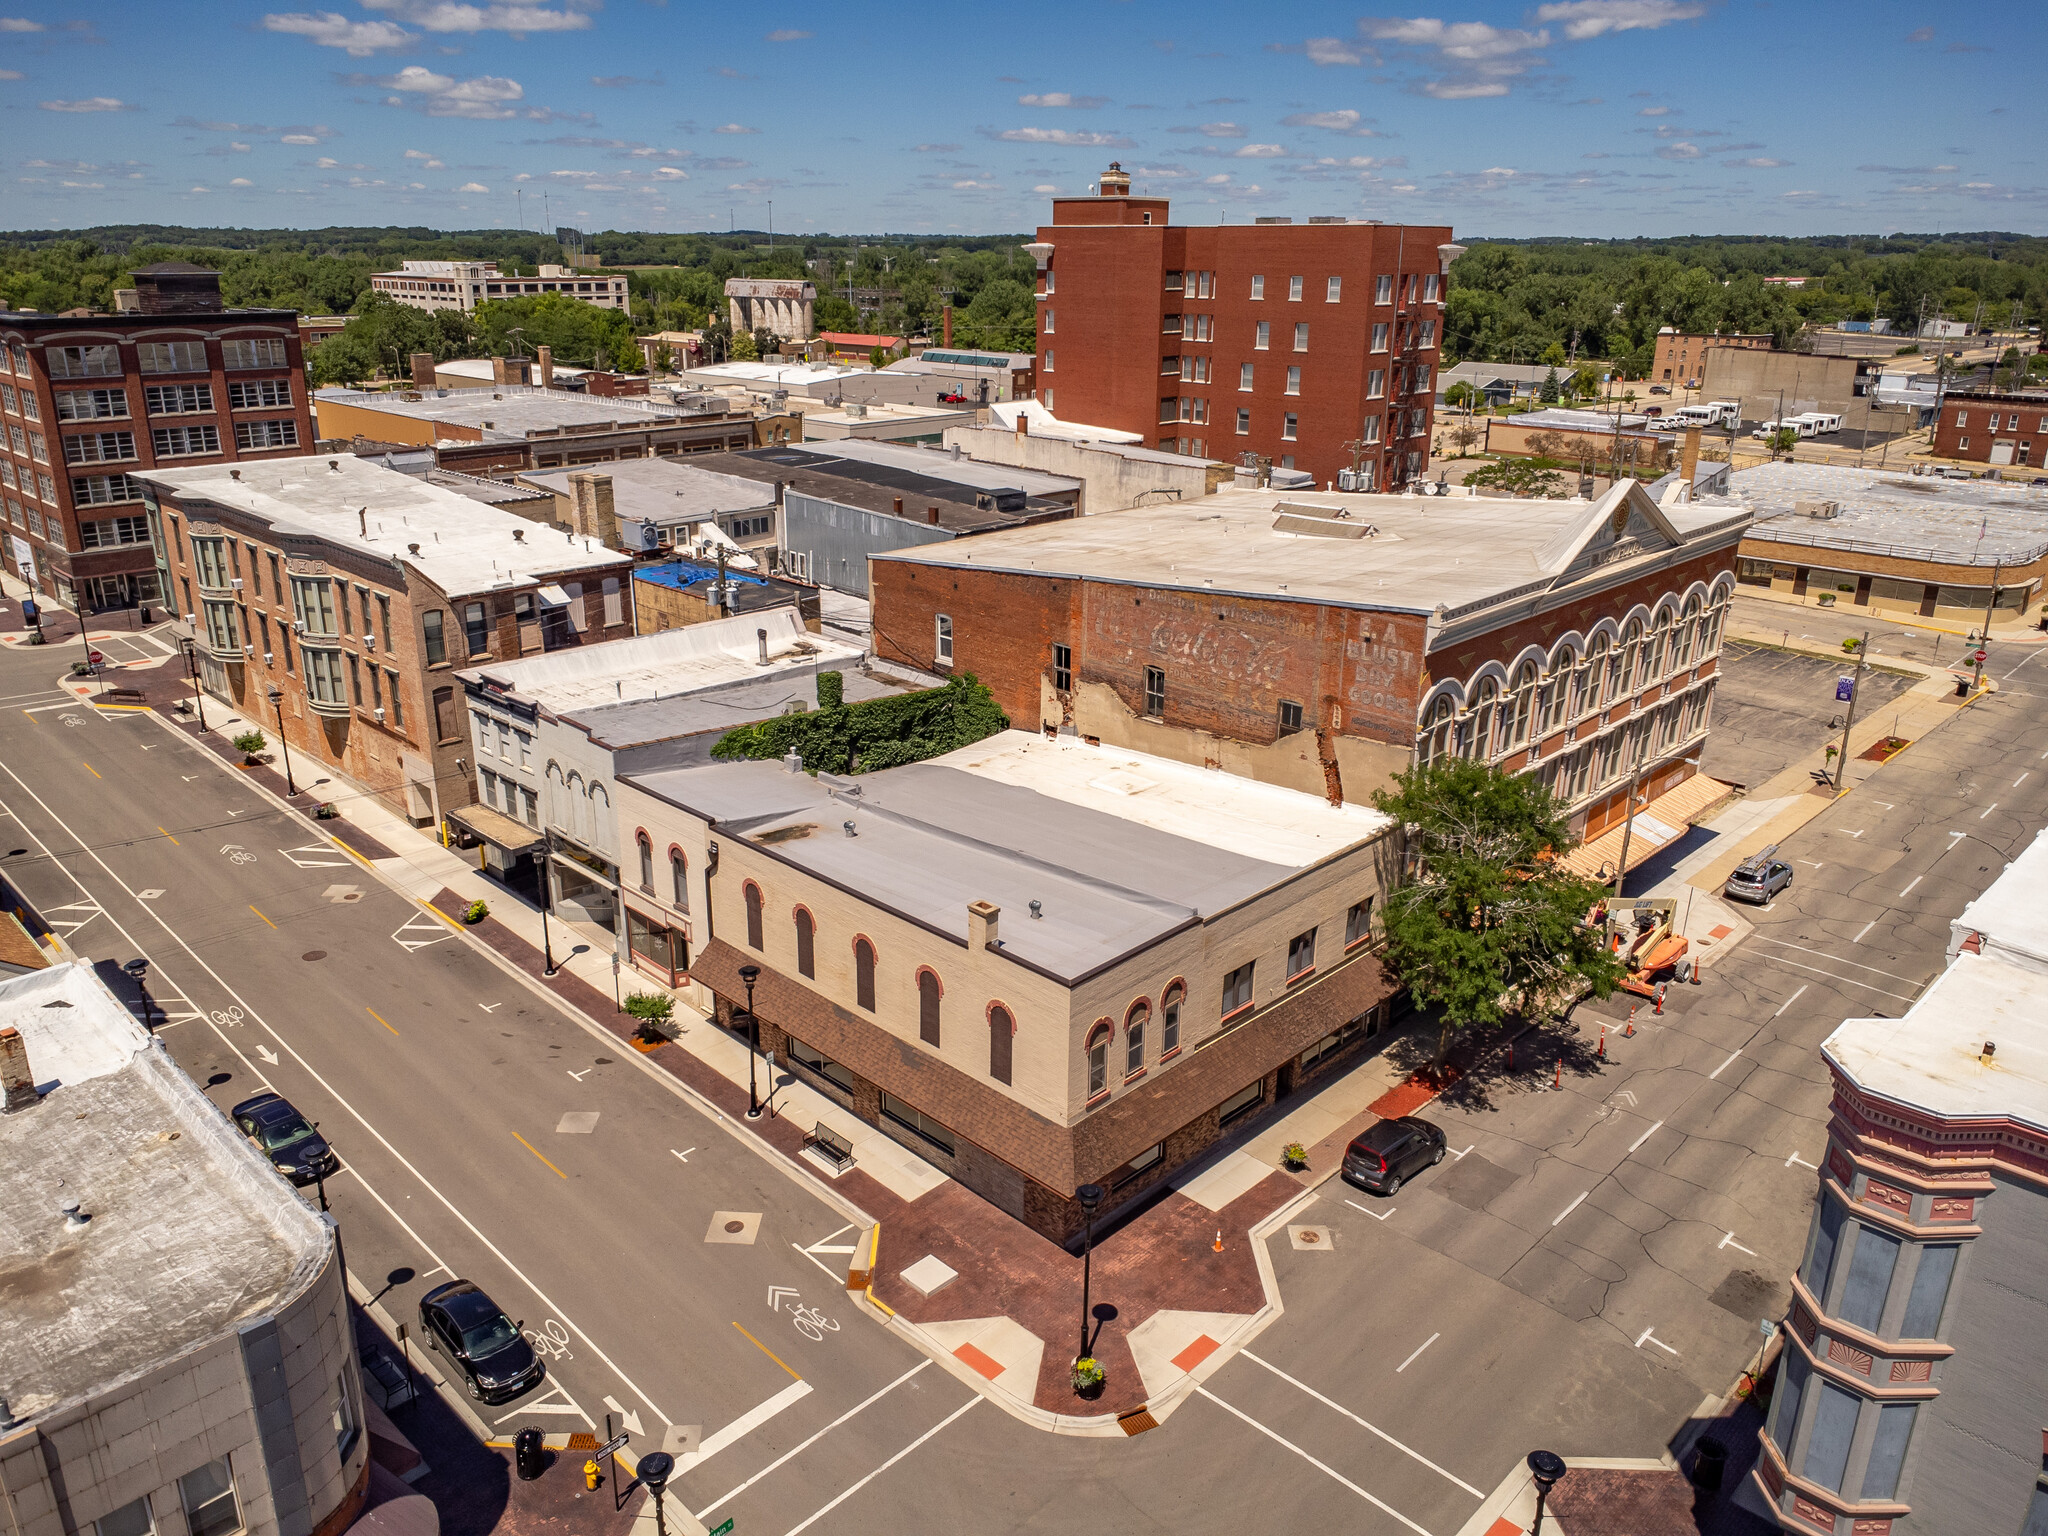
(1388, 1154)
(480, 1341)
(293, 1144)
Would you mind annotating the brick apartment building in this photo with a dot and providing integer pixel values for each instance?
(1994, 427)
(1289, 341)
(1680, 360)
(89, 400)
(1326, 642)
(357, 592)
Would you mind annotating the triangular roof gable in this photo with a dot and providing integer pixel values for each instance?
(1627, 511)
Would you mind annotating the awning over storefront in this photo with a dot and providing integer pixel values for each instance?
(1658, 824)
(552, 596)
(497, 829)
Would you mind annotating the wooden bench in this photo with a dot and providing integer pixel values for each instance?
(122, 696)
(831, 1146)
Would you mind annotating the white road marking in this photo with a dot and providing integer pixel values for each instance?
(269, 1056)
(1651, 1337)
(1954, 838)
(421, 924)
(1728, 1241)
(1653, 1130)
(1816, 863)
(1405, 1450)
(795, 1530)
(1790, 1000)
(1322, 1467)
(1802, 1162)
(2016, 783)
(1820, 970)
(1418, 1350)
(1863, 930)
(1375, 1215)
(683, 1156)
(867, 1402)
(1857, 833)
(490, 1007)
(777, 1292)
(1719, 1070)
(631, 1421)
(579, 1076)
(1987, 810)
(1909, 889)
(1461, 1155)
(1827, 955)
(1560, 1216)
(315, 1074)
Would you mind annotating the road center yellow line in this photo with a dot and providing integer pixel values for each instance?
(90, 769)
(252, 906)
(373, 1013)
(167, 833)
(766, 1350)
(558, 1172)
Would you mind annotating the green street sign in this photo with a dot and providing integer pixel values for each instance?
(722, 1530)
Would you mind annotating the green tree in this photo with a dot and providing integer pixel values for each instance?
(1489, 923)
(743, 348)
(1460, 394)
(1548, 394)
(1553, 355)
(1531, 478)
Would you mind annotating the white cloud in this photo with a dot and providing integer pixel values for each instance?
(1653, 112)
(934, 149)
(199, 189)
(1468, 42)
(1063, 136)
(788, 35)
(472, 186)
(1258, 152)
(1044, 188)
(1464, 90)
(1062, 99)
(671, 173)
(1761, 163)
(1332, 50)
(483, 97)
(240, 149)
(415, 77)
(969, 186)
(445, 16)
(326, 164)
(300, 138)
(12, 74)
(1594, 18)
(1345, 121)
(241, 181)
(90, 104)
(20, 24)
(330, 29)
(734, 128)
(1678, 151)
(1214, 130)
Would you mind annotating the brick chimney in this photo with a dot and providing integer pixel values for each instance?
(423, 371)
(498, 367)
(591, 506)
(946, 321)
(1023, 423)
(17, 1083)
(931, 515)
(1689, 460)
(546, 356)
(981, 924)
(177, 288)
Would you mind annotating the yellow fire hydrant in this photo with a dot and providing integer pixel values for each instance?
(591, 1477)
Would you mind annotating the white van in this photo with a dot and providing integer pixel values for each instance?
(1768, 429)
(1730, 411)
(1695, 416)
(1826, 421)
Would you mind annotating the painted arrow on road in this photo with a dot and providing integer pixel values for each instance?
(777, 1292)
(269, 1056)
(630, 1420)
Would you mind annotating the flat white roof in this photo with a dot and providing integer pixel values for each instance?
(779, 375)
(671, 664)
(508, 412)
(463, 545)
(483, 368)
(1044, 424)
(2011, 915)
(1885, 512)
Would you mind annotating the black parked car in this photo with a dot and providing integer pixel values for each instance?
(293, 1143)
(1384, 1157)
(481, 1342)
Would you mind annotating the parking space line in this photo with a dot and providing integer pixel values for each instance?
(1362, 1423)
(373, 1013)
(788, 1455)
(252, 908)
(796, 1530)
(1323, 1467)
(1560, 1216)
(1825, 955)
(1418, 1350)
(1820, 970)
(1716, 1073)
(1790, 1000)
(1863, 930)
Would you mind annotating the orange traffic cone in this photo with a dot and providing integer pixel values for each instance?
(1219, 1239)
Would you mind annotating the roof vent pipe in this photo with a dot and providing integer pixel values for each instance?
(851, 830)
(793, 761)
(363, 520)
(761, 639)
(74, 1218)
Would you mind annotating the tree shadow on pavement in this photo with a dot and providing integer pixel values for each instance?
(1518, 1057)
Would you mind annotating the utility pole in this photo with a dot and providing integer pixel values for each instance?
(1984, 641)
(1628, 828)
(1849, 719)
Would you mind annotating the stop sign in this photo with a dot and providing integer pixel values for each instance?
(1981, 655)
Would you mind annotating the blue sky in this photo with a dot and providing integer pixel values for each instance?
(1593, 117)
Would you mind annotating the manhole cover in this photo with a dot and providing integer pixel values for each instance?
(735, 1226)
(314, 954)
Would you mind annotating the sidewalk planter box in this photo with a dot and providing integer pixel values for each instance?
(1295, 1156)
(1088, 1378)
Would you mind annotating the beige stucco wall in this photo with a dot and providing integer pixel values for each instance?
(1109, 481)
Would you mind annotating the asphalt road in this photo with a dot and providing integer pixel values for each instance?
(1592, 1263)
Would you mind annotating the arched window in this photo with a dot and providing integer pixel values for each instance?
(646, 845)
(1169, 1019)
(1002, 1032)
(1483, 714)
(1434, 740)
(1631, 654)
(679, 880)
(753, 894)
(1657, 658)
(1520, 713)
(1688, 632)
(1710, 641)
(1595, 672)
(1557, 689)
(1134, 1037)
(928, 994)
(806, 944)
(1098, 1059)
(864, 974)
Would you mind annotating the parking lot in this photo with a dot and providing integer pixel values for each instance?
(1774, 707)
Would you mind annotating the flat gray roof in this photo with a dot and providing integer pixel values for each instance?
(191, 1233)
(1884, 512)
(662, 490)
(939, 464)
(1419, 553)
(1120, 848)
(512, 410)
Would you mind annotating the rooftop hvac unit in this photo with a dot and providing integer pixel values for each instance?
(1353, 480)
(1817, 508)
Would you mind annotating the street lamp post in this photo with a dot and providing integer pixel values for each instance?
(1548, 1468)
(138, 971)
(277, 703)
(191, 649)
(750, 974)
(1090, 1196)
(547, 900)
(654, 1470)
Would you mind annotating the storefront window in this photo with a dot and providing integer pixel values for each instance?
(656, 948)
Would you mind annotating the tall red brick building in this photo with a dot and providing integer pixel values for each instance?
(1315, 344)
(89, 400)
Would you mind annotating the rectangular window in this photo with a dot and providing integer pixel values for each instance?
(1288, 424)
(76, 362)
(1263, 337)
(383, 613)
(1244, 422)
(1376, 384)
(1134, 1047)
(312, 603)
(262, 352)
(170, 442)
(1242, 1102)
(810, 1056)
(1155, 692)
(1137, 1165)
(355, 680)
(436, 644)
(38, 448)
(1358, 923)
(1290, 712)
(1048, 360)
(1929, 1295)
(1379, 336)
(1063, 668)
(475, 631)
(1169, 1023)
(1258, 285)
(1888, 1449)
(1237, 989)
(323, 676)
(1336, 291)
(398, 720)
(129, 1520)
(1383, 289)
(171, 356)
(1301, 336)
(177, 399)
(1827, 1444)
(1294, 290)
(1827, 1232)
(1173, 282)
(1301, 954)
(90, 404)
(1425, 336)
(1048, 322)
(99, 447)
(1870, 1278)
(259, 394)
(255, 435)
(942, 640)
(209, 1495)
(915, 1120)
(1294, 381)
(1244, 376)
(107, 533)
